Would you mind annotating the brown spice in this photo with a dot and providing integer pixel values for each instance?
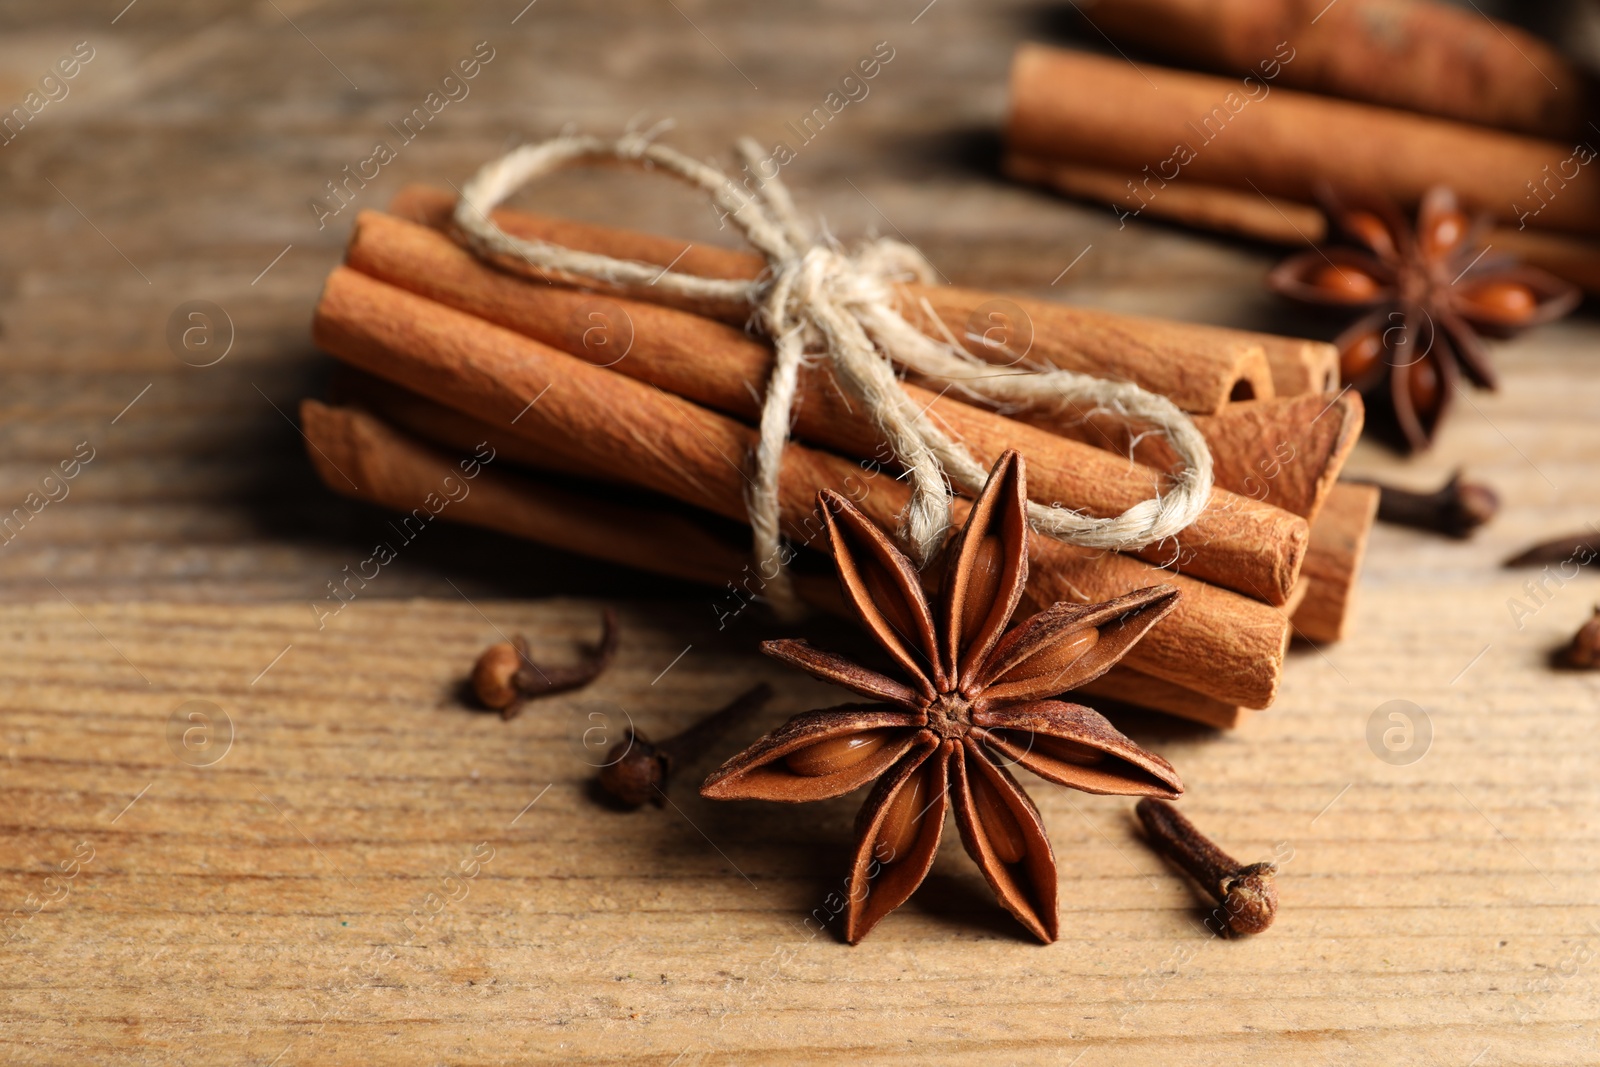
(630, 529)
(1245, 545)
(1199, 368)
(637, 770)
(1333, 561)
(1246, 213)
(1583, 653)
(968, 700)
(1455, 509)
(1217, 642)
(506, 675)
(1436, 58)
(1099, 109)
(1286, 452)
(1578, 548)
(1430, 293)
(1248, 892)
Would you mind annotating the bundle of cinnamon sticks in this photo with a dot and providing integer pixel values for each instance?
(622, 429)
(1370, 96)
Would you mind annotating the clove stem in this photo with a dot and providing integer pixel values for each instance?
(1249, 893)
(1578, 548)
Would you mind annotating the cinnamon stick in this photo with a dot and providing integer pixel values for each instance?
(1301, 366)
(1338, 543)
(1251, 443)
(430, 421)
(1287, 453)
(1246, 213)
(1169, 127)
(358, 455)
(1217, 642)
(442, 425)
(1237, 542)
(1219, 208)
(1130, 687)
(434, 422)
(1436, 58)
(1199, 368)
(392, 468)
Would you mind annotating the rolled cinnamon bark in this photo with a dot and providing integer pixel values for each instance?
(1421, 56)
(439, 424)
(1169, 127)
(358, 455)
(1301, 366)
(1287, 453)
(1242, 213)
(1130, 687)
(389, 467)
(1201, 371)
(1239, 543)
(1297, 366)
(1216, 642)
(1199, 368)
(1338, 543)
(725, 369)
(436, 423)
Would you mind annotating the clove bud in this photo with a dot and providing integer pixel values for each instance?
(506, 675)
(1455, 509)
(1583, 653)
(1247, 892)
(637, 770)
(1577, 548)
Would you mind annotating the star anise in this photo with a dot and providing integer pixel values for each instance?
(1431, 294)
(970, 700)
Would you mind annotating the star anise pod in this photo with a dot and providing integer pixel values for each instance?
(970, 700)
(1431, 294)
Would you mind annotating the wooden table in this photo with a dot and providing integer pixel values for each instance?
(368, 872)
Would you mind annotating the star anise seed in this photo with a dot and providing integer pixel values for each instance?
(971, 701)
(1431, 293)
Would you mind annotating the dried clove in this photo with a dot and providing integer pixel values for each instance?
(1247, 892)
(1578, 548)
(506, 675)
(1455, 509)
(637, 770)
(1583, 652)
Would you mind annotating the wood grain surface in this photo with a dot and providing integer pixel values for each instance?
(248, 909)
(273, 906)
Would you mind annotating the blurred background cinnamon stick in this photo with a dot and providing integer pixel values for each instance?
(1419, 55)
(1166, 127)
(1291, 223)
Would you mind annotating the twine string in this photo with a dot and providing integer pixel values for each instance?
(818, 299)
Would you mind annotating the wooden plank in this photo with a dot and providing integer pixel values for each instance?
(233, 910)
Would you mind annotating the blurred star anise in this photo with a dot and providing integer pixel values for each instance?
(969, 702)
(1431, 294)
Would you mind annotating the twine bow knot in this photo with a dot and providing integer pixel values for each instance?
(817, 300)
